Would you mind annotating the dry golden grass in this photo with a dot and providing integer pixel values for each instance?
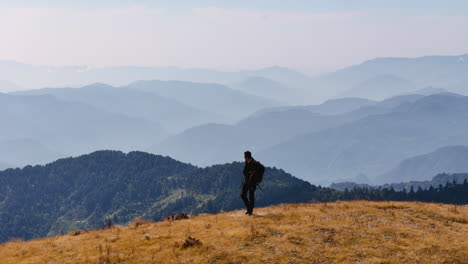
(343, 232)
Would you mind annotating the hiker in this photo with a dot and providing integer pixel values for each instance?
(253, 174)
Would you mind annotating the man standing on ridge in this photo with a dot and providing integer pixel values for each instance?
(253, 174)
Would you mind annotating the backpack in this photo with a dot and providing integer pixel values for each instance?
(260, 170)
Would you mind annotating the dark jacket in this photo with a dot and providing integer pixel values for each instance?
(250, 171)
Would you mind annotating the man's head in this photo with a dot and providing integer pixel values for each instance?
(248, 156)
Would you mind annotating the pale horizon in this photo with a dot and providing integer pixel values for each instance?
(309, 37)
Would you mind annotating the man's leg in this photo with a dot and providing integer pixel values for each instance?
(245, 188)
(251, 198)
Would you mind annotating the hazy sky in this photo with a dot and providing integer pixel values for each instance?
(302, 34)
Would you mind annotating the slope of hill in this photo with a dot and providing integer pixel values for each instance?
(83, 192)
(450, 159)
(376, 143)
(344, 232)
(72, 128)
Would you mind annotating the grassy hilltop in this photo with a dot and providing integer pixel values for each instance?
(343, 232)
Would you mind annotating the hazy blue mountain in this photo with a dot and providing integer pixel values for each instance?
(171, 114)
(84, 192)
(215, 143)
(380, 87)
(72, 128)
(202, 145)
(210, 97)
(329, 107)
(283, 75)
(22, 152)
(376, 143)
(452, 159)
(385, 106)
(340, 106)
(447, 72)
(267, 88)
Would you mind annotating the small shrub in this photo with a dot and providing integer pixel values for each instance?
(139, 222)
(75, 233)
(191, 242)
(178, 216)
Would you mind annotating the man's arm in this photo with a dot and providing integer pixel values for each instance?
(247, 173)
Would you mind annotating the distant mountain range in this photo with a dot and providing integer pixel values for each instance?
(376, 143)
(35, 76)
(214, 143)
(452, 159)
(384, 77)
(85, 192)
(75, 121)
(313, 142)
(374, 79)
(230, 105)
(369, 140)
(36, 128)
(210, 116)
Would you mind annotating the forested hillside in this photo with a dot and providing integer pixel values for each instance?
(85, 192)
